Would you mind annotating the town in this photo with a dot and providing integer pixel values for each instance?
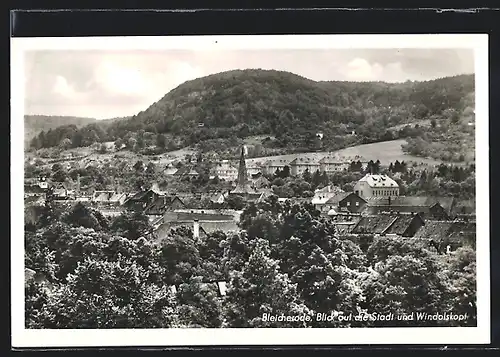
(374, 205)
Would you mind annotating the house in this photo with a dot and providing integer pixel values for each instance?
(187, 170)
(169, 170)
(330, 164)
(454, 234)
(202, 222)
(34, 190)
(140, 200)
(345, 202)
(376, 186)
(405, 225)
(254, 169)
(269, 167)
(322, 196)
(61, 193)
(261, 182)
(225, 170)
(344, 222)
(428, 207)
(218, 197)
(300, 164)
(162, 204)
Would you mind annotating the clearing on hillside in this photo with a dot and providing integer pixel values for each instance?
(385, 151)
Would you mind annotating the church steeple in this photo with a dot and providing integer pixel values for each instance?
(242, 183)
(242, 169)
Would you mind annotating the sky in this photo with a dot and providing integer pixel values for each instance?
(108, 84)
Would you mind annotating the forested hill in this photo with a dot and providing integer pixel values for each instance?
(33, 124)
(291, 108)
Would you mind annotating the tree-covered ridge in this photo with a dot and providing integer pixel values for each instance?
(289, 109)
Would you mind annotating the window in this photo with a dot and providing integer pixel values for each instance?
(348, 203)
(357, 204)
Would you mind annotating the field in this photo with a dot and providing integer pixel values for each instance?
(386, 152)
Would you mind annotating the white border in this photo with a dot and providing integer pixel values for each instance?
(177, 337)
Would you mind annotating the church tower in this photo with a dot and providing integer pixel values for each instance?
(242, 183)
(242, 169)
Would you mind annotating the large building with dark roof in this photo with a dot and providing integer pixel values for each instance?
(428, 207)
(405, 225)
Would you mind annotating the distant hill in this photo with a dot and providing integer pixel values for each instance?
(224, 108)
(33, 124)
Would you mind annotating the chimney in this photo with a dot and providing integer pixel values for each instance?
(196, 229)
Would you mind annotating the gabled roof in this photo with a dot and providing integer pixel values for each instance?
(379, 181)
(374, 224)
(439, 230)
(329, 188)
(331, 160)
(303, 161)
(102, 195)
(401, 224)
(60, 192)
(170, 170)
(323, 197)
(116, 197)
(276, 162)
(410, 201)
(214, 226)
(334, 200)
(261, 180)
(161, 204)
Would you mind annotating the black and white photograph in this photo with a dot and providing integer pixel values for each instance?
(250, 189)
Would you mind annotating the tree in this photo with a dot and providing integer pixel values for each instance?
(131, 143)
(161, 141)
(109, 294)
(139, 166)
(285, 172)
(316, 179)
(199, 304)
(82, 216)
(118, 144)
(65, 144)
(261, 288)
(234, 202)
(180, 256)
(131, 225)
(307, 176)
(150, 170)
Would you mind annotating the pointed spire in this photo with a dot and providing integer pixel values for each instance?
(242, 169)
(242, 184)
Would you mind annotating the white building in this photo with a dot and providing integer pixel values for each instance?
(225, 171)
(376, 186)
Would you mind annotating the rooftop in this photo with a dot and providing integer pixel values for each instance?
(410, 201)
(379, 181)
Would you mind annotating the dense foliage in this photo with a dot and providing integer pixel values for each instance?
(289, 111)
(287, 260)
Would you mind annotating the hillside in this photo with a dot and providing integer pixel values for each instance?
(384, 151)
(217, 111)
